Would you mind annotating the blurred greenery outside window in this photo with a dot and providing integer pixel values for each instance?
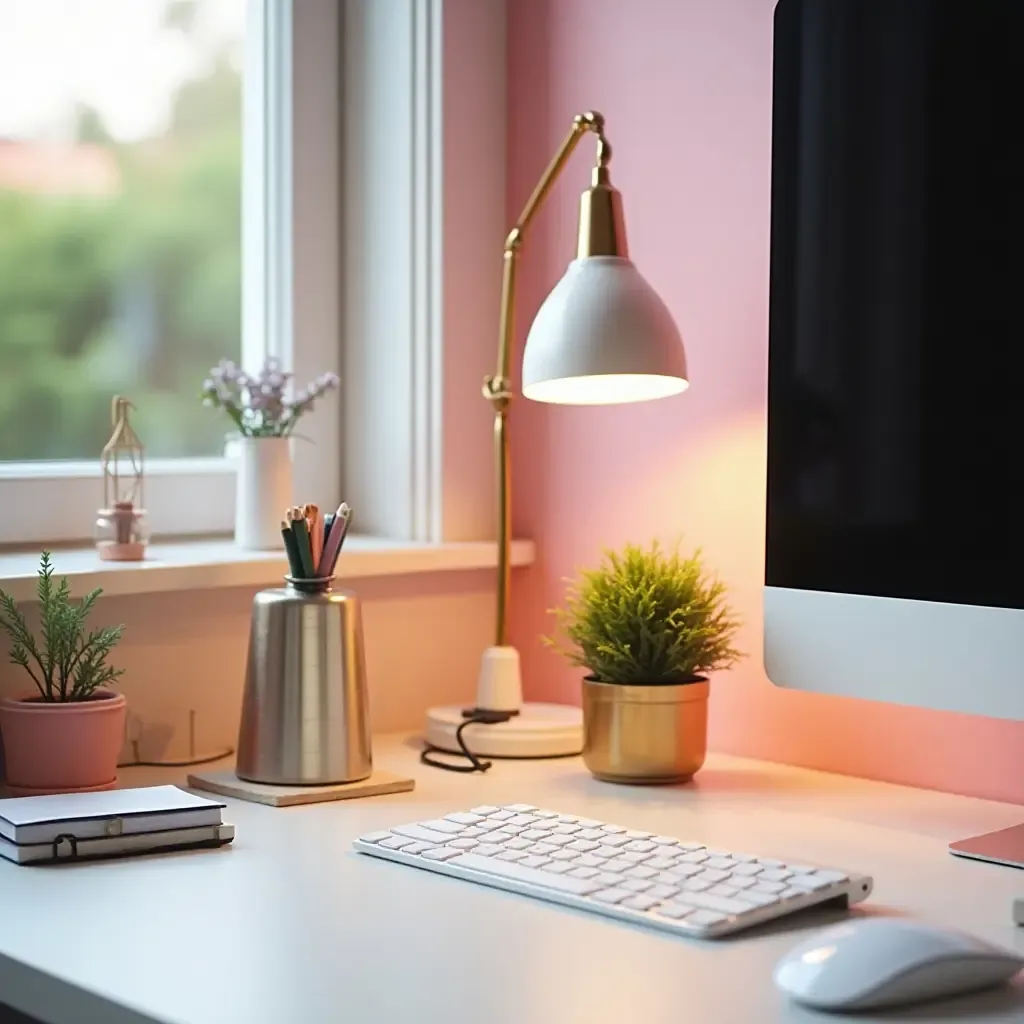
(120, 220)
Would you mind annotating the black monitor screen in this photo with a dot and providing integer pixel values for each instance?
(896, 355)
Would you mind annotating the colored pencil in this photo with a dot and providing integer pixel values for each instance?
(291, 550)
(301, 533)
(329, 557)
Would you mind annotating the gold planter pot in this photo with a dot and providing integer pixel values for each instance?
(645, 735)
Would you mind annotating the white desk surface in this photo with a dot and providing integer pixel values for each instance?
(288, 926)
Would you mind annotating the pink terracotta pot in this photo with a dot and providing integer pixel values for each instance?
(62, 748)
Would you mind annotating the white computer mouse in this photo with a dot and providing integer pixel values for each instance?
(884, 962)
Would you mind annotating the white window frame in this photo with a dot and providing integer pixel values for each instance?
(290, 284)
(374, 214)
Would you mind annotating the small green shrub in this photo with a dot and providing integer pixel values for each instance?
(67, 662)
(645, 617)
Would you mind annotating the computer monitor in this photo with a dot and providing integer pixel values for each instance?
(895, 513)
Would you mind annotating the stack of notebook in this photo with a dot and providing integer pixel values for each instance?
(114, 823)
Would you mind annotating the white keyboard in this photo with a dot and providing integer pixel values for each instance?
(666, 883)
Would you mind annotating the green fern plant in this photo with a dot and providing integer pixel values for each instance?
(645, 617)
(67, 662)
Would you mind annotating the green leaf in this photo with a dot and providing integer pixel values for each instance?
(646, 617)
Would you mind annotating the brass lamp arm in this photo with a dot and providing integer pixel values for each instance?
(497, 389)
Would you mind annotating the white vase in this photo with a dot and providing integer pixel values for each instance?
(264, 491)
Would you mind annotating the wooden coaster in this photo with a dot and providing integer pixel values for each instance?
(227, 783)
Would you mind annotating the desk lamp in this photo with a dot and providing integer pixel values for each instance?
(602, 337)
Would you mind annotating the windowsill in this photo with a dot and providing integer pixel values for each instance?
(208, 564)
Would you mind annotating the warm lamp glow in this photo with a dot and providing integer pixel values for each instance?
(606, 389)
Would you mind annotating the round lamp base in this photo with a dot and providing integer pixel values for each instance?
(539, 730)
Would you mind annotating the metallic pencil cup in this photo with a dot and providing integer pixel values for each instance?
(305, 715)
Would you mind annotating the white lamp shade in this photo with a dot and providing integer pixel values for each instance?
(603, 336)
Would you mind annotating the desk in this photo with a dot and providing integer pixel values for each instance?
(289, 926)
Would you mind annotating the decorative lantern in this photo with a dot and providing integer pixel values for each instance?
(121, 528)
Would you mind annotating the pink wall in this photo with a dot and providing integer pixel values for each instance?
(685, 86)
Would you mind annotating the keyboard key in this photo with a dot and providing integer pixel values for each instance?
(759, 899)
(417, 848)
(463, 844)
(747, 869)
(692, 885)
(608, 878)
(614, 841)
(634, 884)
(502, 815)
(744, 858)
(582, 846)
(518, 844)
(604, 852)
(473, 832)
(518, 873)
(543, 849)
(664, 841)
(564, 855)
(640, 846)
(484, 810)
(587, 823)
(535, 834)
(524, 820)
(704, 919)
(558, 867)
(806, 882)
(713, 876)
(618, 865)
(633, 857)
(769, 887)
(722, 890)
(662, 892)
(776, 875)
(741, 881)
(519, 808)
(721, 863)
(591, 833)
(441, 825)
(786, 894)
(588, 860)
(639, 903)
(443, 853)
(566, 819)
(565, 829)
(639, 835)
(559, 840)
(695, 857)
(534, 861)
(489, 849)
(691, 847)
(661, 863)
(375, 837)
(686, 871)
(641, 872)
(612, 895)
(500, 835)
(424, 835)
(719, 904)
(613, 829)
(463, 818)
(583, 872)
(512, 855)
(770, 862)
(395, 843)
(546, 814)
(675, 911)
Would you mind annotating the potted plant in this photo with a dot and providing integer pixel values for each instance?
(66, 736)
(264, 414)
(649, 626)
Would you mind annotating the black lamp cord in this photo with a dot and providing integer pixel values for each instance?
(470, 716)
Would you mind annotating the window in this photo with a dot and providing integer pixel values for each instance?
(133, 136)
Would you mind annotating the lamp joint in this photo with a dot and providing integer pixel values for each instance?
(514, 240)
(498, 391)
